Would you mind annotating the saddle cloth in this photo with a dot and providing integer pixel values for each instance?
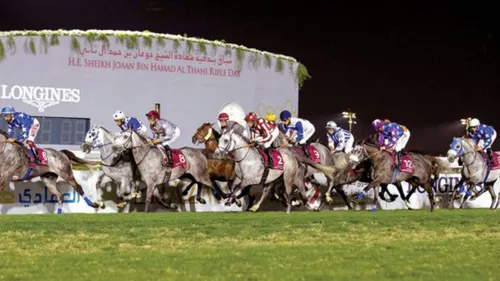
(406, 163)
(278, 163)
(313, 152)
(496, 161)
(42, 155)
(178, 158)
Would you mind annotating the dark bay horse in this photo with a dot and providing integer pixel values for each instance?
(15, 165)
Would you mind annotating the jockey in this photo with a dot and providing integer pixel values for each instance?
(339, 139)
(226, 124)
(271, 117)
(264, 133)
(29, 126)
(164, 133)
(125, 123)
(483, 136)
(297, 130)
(392, 136)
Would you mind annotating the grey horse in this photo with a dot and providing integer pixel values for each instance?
(425, 167)
(15, 166)
(117, 167)
(149, 158)
(250, 168)
(474, 170)
(362, 173)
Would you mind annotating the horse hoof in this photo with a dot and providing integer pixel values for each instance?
(101, 205)
(328, 199)
(95, 205)
(254, 208)
(374, 210)
(201, 200)
(238, 203)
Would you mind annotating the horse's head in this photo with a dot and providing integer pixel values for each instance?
(91, 139)
(203, 133)
(123, 142)
(459, 147)
(230, 141)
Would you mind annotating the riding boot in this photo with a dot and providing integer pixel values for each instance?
(306, 151)
(168, 153)
(35, 155)
(269, 158)
(489, 152)
(398, 160)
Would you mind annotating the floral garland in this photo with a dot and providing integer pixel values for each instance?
(133, 39)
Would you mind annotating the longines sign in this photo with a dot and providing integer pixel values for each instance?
(39, 96)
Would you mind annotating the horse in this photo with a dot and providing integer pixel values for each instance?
(187, 162)
(384, 172)
(362, 173)
(218, 169)
(475, 170)
(117, 167)
(252, 170)
(16, 165)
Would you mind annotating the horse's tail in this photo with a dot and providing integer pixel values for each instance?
(74, 159)
(439, 166)
(328, 171)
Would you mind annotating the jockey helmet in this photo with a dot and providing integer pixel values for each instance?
(376, 124)
(223, 116)
(251, 117)
(271, 117)
(331, 125)
(119, 115)
(474, 123)
(153, 114)
(285, 114)
(8, 110)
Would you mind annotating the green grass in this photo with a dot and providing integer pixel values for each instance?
(390, 245)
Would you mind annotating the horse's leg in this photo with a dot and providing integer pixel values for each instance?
(375, 182)
(401, 192)
(466, 196)
(235, 187)
(375, 200)
(383, 191)
(430, 192)
(50, 180)
(265, 192)
(70, 179)
(454, 192)
(486, 187)
(328, 194)
(122, 201)
(198, 194)
(341, 192)
(100, 185)
(494, 198)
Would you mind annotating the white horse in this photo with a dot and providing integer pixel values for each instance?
(474, 170)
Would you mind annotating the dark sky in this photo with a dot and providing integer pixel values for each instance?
(421, 65)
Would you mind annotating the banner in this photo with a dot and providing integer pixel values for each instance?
(32, 197)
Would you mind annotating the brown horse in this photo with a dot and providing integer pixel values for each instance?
(219, 169)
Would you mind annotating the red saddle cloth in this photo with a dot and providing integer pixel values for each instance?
(313, 153)
(496, 161)
(278, 163)
(406, 163)
(178, 158)
(42, 156)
